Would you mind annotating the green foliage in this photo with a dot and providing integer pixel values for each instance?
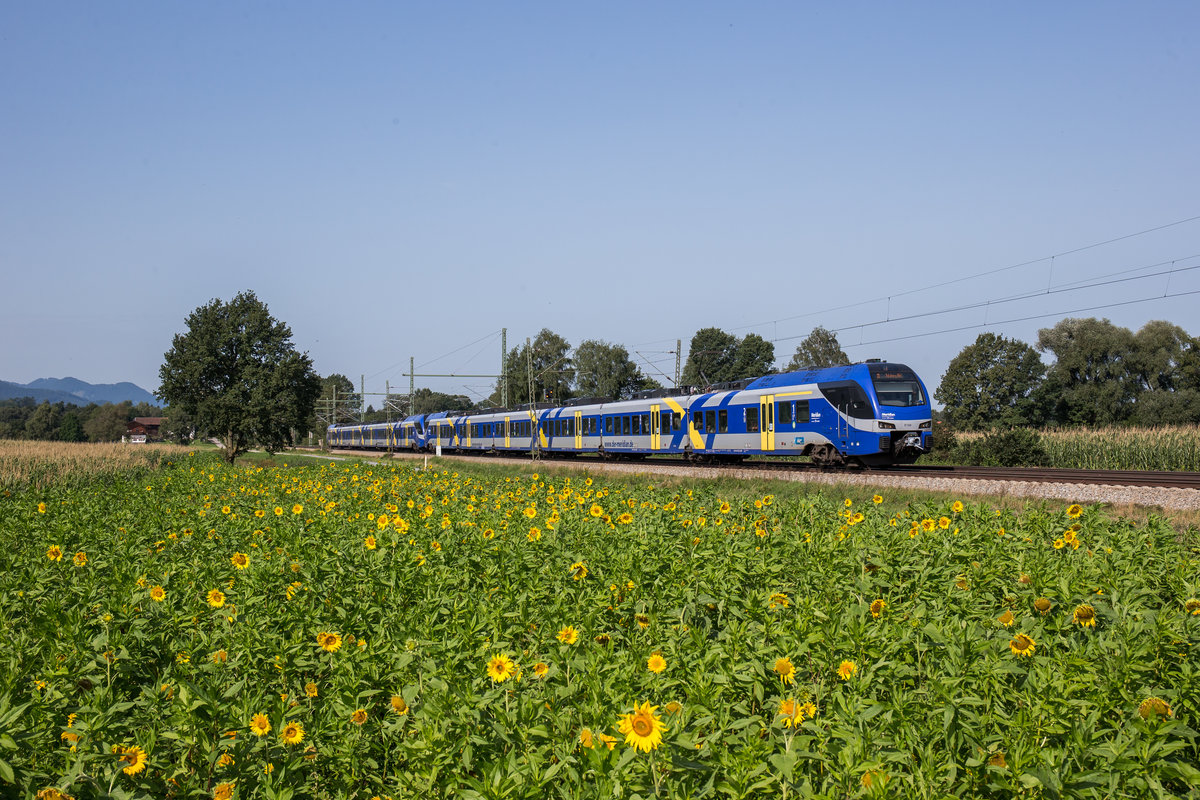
(715, 356)
(917, 599)
(236, 372)
(606, 370)
(1011, 447)
(992, 382)
(819, 349)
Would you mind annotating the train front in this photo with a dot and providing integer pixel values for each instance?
(905, 418)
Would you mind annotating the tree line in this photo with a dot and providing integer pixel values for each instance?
(1102, 374)
(25, 418)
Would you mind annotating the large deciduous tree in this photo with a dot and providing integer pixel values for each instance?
(716, 356)
(1094, 378)
(819, 349)
(606, 370)
(992, 382)
(236, 372)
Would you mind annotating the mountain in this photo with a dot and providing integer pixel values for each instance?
(77, 392)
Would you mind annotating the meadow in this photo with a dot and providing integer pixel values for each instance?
(354, 631)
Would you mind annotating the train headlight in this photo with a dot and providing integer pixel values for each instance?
(926, 425)
(887, 426)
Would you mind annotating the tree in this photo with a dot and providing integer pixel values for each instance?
(71, 429)
(755, 356)
(44, 422)
(606, 370)
(819, 349)
(108, 423)
(553, 371)
(992, 383)
(235, 370)
(719, 357)
(1094, 374)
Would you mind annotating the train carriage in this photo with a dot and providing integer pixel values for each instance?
(872, 413)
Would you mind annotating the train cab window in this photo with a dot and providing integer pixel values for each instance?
(752, 420)
(848, 398)
(723, 421)
(784, 415)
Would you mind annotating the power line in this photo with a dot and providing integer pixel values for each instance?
(1015, 319)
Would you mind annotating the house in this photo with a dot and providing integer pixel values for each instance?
(143, 429)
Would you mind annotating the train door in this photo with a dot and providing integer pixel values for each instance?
(655, 431)
(578, 430)
(766, 414)
(507, 433)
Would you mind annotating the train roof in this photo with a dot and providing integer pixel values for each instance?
(860, 371)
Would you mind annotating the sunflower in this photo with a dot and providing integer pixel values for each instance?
(1022, 645)
(240, 560)
(656, 663)
(359, 716)
(311, 689)
(399, 705)
(625, 518)
(216, 598)
(260, 725)
(724, 507)
(928, 525)
(540, 669)
(530, 512)
(1084, 616)
(778, 600)
(292, 733)
(329, 642)
(1043, 605)
(597, 512)
(278, 511)
(501, 668)
(585, 738)
(158, 594)
(135, 759)
(642, 728)
(297, 509)
(369, 543)
(877, 607)
(877, 499)
(1154, 707)
(943, 523)
(80, 559)
(535, 534)
(54, 553)
(846, 669)
(568, 635)
(41, 508)
(791, 713)
(220, 657)
(1192, 606)
(957, 506)
(225, 760)
(488, 533)
(579, 571)
(785, 670)
(997, 760)
(223, 791)
(1074, 511)
(643, 620)
(1006, 619)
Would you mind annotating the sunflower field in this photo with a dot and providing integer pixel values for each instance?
(360, 631)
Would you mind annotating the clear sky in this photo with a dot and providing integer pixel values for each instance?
(401, 179)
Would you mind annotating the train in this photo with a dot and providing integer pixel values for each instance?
(873, 413)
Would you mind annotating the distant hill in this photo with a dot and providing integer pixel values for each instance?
(77, 392)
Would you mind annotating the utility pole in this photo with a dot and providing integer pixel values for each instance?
(534, 439)
(412, 400)
(678, 351)
(503, 368)
(362, 394)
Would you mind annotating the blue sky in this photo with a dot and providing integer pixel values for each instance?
(404, 179)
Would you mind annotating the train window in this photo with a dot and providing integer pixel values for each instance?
(570, 427)
(723, 421)
(751, 420)
(608, 424)
(710, 422)
(664, 422)
(698, 421)
(625, 425)
(784, 414)
(848, 398)
(645, 423)
(676, 421)
(897, 385)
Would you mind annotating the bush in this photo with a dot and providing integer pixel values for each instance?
(1015, 447)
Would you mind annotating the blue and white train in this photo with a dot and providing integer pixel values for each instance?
(873, 413)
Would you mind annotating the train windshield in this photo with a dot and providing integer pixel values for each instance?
(897, 385)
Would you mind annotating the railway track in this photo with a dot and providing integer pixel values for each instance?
(1079, 477)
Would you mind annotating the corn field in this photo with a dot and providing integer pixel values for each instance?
(1167, 448)
(33, 465)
